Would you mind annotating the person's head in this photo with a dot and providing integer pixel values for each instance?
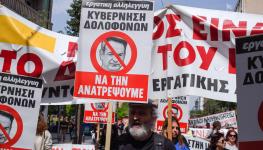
(217, 141)
(207, 125)
(216, 125)
(119, 121)
(6, 121)
(231, 129)
(109, 61)
(232, 137)
(41, 125)
(175, 127)
(142, 118)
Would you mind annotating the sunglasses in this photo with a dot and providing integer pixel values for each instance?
(231, 135)
(177, 128)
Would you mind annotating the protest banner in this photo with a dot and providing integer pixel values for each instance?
(196, 143)
(249, 52)
(20, 98)
(27, 49)
(180, 110)
(204, 132)
(72, 147)
(208, 70)
(227, 119)
(97, 113)
(194, 51)
(110, 61)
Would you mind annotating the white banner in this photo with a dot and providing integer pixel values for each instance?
(20, 98)
(180, 109)
(72, 147)
(227, 119)
(196, 143)
(249, 91)
(27, 49)
(194, 51)
(204, 133)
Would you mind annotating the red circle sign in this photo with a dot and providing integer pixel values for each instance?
(173, 114)
(19, 129)
(100, 106)
(103, 38)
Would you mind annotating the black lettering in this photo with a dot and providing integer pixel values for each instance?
(211, 84)
(259, 77)
(248, 79)
(185, 76)
(156, 85)
(251, 63)
(163, 83)
(201, 82)
(31, 93)
(90, 15)
(65, 90)
(54, 92)
(177, 82)
(169, 80)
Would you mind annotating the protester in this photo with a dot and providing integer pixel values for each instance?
(63, 129)
(43, 137)
(215, 129)
(120, 126)
(232, 139)
(140, 134)
(217, 142)
(178, 139)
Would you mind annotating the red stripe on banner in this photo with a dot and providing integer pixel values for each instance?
(250, 145)
(12, 148)
(134, 90)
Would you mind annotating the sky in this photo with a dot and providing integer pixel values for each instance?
(60, 16)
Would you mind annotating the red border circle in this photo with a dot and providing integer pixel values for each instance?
(95, 109)
(103, 37)
(173, 105)
(19, 122)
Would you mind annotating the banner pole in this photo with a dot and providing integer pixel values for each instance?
(98, 134)
(109, 122)
(169, 128)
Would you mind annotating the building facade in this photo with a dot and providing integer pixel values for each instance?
(250, 6)
(37, 11)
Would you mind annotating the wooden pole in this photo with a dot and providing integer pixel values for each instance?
(169, 128)
(109, 122)
(98, 134)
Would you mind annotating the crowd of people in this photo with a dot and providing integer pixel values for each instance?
(137, 132)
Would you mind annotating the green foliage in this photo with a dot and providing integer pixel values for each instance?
(70, 110)
(74, 22)
(123, 110)
(213, 107)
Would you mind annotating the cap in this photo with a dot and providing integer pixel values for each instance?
(151, 103)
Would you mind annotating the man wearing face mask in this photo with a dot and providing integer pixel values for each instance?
(140, 134)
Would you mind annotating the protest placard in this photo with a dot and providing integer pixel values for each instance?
(249, 55)
(97, 113)
(227, 119)
(20, 98)
(180, 110)
(111, 61)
